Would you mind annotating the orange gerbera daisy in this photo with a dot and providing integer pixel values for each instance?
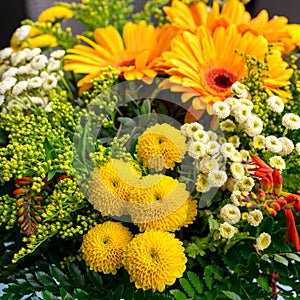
(136, 55)
(205, 65)
(275, 30)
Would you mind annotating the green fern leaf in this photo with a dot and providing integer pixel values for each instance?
(60, 276)
(81, 295)
(196, 282)
(48, 295)
(77, 275)
(188, 288)
(178, 295)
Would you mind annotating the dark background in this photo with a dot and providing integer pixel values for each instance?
(13, 11)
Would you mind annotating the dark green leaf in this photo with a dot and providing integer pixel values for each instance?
(95, 278)
(32, 281)
(65, 295)
(48, 295)
(264, 283)
(61, 277)
(196, 282)
(231, 295)
(188, 288)
(178, 295)
(80, 294)
(44, 278)
(281, 259)
(76, 274)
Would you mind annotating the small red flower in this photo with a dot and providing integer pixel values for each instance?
(291, 230)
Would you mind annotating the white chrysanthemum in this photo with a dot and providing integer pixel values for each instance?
(35, 82)
(255, 217)
(230, 214)
(49, 107)
(20, 87)
(291, 121)
(18, 57)
(212, 148)
(235, 156)
(221, 109)
(237, 170)
(236, 198)
(197, 149)
(217, 178)
(227, 149)
(53, 65)
(58, 54)
(208, 164)
(298, 148)
(33, 53)
(22, 32)
(12, 104)
(27, 70)
(10, 72)
(7, 84)
(38, 101)
(246, 102)
(222, 140)
(212, 135)
(287, 145)
(201, 136)
(242, 114)
(183, 129)
(231, 183)
(5, 53)
(259, 142)
(39, 62)
(227, 231)
(233, 103)
(246, 184)
(234, 140)
(253, 125)
(239, 89)
(245, 155)
(263, 241)
(277, 162)
(276, 104)
(50, 83)
(273, 144)
(227, 126)
(192, 128)
(202, 184)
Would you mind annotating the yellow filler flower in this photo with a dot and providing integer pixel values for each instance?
(103, 246)
(154, 259)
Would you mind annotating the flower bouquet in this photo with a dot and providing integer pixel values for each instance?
(153, 156)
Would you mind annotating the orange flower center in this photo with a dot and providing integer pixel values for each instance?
(220, 79)
(126, 63)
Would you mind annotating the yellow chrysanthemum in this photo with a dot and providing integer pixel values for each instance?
(103, 246)
(55, 13)
(294, 30)
(161, 146)
(136, 55)
(111, 186)
(205, 65)
(191, 212)
(159, 203)
(190, 17)
(154, 259)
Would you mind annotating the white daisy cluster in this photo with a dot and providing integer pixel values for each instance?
(27, 77)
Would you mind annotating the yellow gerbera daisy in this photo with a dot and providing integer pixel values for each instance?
(205, 65)
(154, 259)
(161, 146)
(103, 246)
(111, 186)
(190, 17)
(159, 203)
(135, 55)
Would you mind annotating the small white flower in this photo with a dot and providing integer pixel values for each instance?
(38, 101)
(230, 184)
(27, 70)
(242, 114)
(245, 155)
(50, 83)
(234, 140)
(212, 148)
(221, 109)
(39, 62)
(298, 148)
(53, 65)
(49, 107)
(57, 54)
(183, 129)
(20, 87)
(227, 126)
(253, 126)
(7, 84)
(201, 136)
(245, 184)
(239, 89)
(291, 121)
(237, 170)
(287, 145)
(276, 104)
(234, 103)
(1, 99)
(230, 214)
(263, 241)
(202, 184)
(18, 57)
(197, 149)
(227, 231)
(208, 164)
(5, 53)
(277, 162)
(22, 32)
(255, 217)
(212, 135)
(235, 156)
(259, 142)
(273, 144)
(33, 53)
(217, 178)
(227, 149)
(192, 128)
(35, 82)
(237, 198)
(246, 102)
(10, 72)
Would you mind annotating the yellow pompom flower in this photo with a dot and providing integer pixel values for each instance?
(55, 13)
(154, 259)
(159, 203)
(161, 146)
(111, 186)
(191, 212)
(103, 246)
